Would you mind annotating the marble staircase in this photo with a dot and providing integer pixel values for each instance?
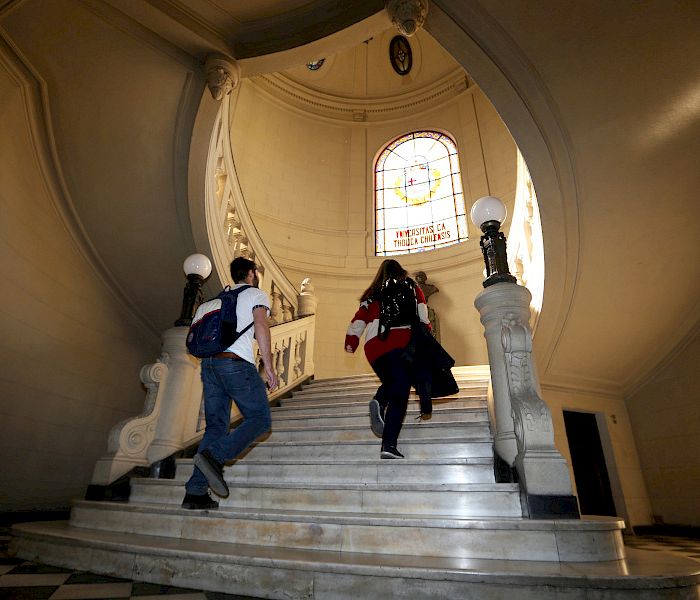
(314, 513)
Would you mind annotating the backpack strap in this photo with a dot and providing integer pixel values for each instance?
(228, 291)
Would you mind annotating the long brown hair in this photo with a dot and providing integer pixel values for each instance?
(389, 269)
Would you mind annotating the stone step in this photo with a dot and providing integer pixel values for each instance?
(362, 404)
(416, 449)
(370, 389)
(474, 372)
(458, 500)
(359, 415)
(293, 574)
(473, 470)
(463, 395)
(350, 433)
(347, 379)
(438, 536)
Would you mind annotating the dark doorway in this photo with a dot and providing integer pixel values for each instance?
(588, 461)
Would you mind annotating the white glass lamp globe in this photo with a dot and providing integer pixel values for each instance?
(488, 208)
(197, 264)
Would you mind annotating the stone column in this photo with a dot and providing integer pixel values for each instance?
(524, 430)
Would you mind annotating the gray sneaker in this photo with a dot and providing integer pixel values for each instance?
(213, 471)
(375, 417)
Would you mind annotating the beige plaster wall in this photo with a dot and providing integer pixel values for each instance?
(308, 185)
(665, 416)
(69, 354)
(617, 437)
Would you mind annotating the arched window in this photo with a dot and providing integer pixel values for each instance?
(418, 195)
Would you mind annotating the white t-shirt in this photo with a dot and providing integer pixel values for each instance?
(247, 300)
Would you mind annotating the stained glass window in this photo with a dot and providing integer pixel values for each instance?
(316, 64)
(400, 55)
(418, 195)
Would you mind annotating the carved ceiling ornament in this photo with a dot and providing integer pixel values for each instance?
(223, 75)
(408, 15)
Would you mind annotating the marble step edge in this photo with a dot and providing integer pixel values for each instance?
(473, 405)
(365, 398)
(403, 463)
(407, 425)
(369, 391)
(290, 403)
(467, 382)
(496, 488)
(436, 440)
(156, 558)
(479, 414)
(368, 382)
(459, 373)
(341, 518)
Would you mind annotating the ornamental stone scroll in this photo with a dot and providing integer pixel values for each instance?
(223, 75)
(524, 435)
(407, 15)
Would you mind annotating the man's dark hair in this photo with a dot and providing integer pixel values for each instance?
(240, 267)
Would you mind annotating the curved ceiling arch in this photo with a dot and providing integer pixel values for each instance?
(484, 50)
(500, 70)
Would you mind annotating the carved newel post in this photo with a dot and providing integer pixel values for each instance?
(524, 437)
(173, 397)
(307, 299)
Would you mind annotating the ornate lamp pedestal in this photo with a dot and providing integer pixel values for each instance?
(524, 438)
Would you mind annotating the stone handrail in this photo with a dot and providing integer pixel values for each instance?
(525, 245)
(230, 227)
(173, 415)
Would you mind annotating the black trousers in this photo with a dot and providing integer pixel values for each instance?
(393, 393)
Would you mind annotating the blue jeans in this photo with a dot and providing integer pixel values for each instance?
(225, 380)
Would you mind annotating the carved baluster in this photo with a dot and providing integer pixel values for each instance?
(287, 311)
(221, 177)
(232, 227)
(279, 363)
(298, 342)
(276, 306)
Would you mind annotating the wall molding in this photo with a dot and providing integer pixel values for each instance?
(288, 93)
(40, 125)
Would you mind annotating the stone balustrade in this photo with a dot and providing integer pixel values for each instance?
(173, 414)
(231, 230)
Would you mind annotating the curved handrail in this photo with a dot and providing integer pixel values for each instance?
(525, 243)
(231, 229)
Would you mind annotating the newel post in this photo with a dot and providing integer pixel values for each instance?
(524, 436)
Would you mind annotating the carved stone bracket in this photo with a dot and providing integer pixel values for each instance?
(408, 15)
(223, 75)
(129, 440)
(531, 416)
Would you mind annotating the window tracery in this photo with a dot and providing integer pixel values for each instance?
(419, 201)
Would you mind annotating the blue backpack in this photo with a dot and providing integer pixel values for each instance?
(213, 328)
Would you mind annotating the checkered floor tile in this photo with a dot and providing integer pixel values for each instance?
(683, 546)
(22, 580)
